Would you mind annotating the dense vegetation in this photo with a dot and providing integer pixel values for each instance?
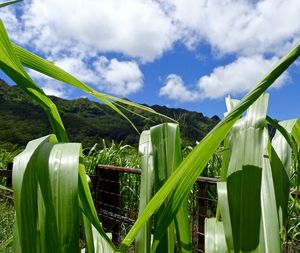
(86, 121)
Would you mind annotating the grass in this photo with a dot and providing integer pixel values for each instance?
(7, 216)
(7, 156)
(115, 154)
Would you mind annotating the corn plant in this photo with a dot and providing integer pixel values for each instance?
(160, 149)
(253, 197)
(114, 154)
(186, 174)
(51, 193)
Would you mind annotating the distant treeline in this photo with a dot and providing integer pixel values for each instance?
(86, 121)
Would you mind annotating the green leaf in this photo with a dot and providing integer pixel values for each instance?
(88, 234)
(4, 188)
(250, 186)
(214, 236)
(50, 69)
(225, 212)
(296, 132)
(188, 171)
(143, 240)
(281, 161)
(167, 156)
(45, 184)
(9, 3)
(248, 142)
(100, 244)
(270, 230)
(11, 66)
(47, 194)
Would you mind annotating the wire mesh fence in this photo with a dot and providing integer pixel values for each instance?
(116, 195)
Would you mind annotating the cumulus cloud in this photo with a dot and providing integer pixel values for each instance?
(73, 34)
(243, 27)
(54, 90)
(120, 78)
(135, 28)
(79, 68)
(145, 29)
(175, 89)
(238, 77)
(49, 85)
(232, 79)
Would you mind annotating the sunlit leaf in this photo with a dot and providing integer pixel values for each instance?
(188, 171)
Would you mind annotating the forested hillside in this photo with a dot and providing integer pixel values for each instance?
(86, 121)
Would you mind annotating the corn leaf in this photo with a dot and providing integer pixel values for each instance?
(88, 234)
(48, 68)
(296, 136)
(143, 240)
(45, 184)
(250, 187)
(188, 171)
(281, 161)
(11, 66)
(9, 3)
(270, 229)
(214, 236)
(224, 209)
(167, 156)
(296, 132)
(247, 184)
(100, 244)
(46, 197)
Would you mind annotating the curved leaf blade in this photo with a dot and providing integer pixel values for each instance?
(45, 184)
(11, 65)
(188, 171)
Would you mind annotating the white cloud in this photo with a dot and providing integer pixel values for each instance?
(54, 90)
(146, 28)
(136, 28)
(73, 33)
(243, 27)
(120, 78)
(49, 85)
(175, 89)
(235, 78)
(78, 67)
(238, 77)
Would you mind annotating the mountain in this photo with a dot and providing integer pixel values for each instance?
(88, 122)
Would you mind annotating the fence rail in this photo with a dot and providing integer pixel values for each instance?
(116, 195)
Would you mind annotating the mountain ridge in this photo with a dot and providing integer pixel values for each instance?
(88, 121)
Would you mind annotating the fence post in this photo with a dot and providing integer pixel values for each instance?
(9, 179)
(202, 213)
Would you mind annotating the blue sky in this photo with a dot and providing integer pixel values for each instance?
(179, 53)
